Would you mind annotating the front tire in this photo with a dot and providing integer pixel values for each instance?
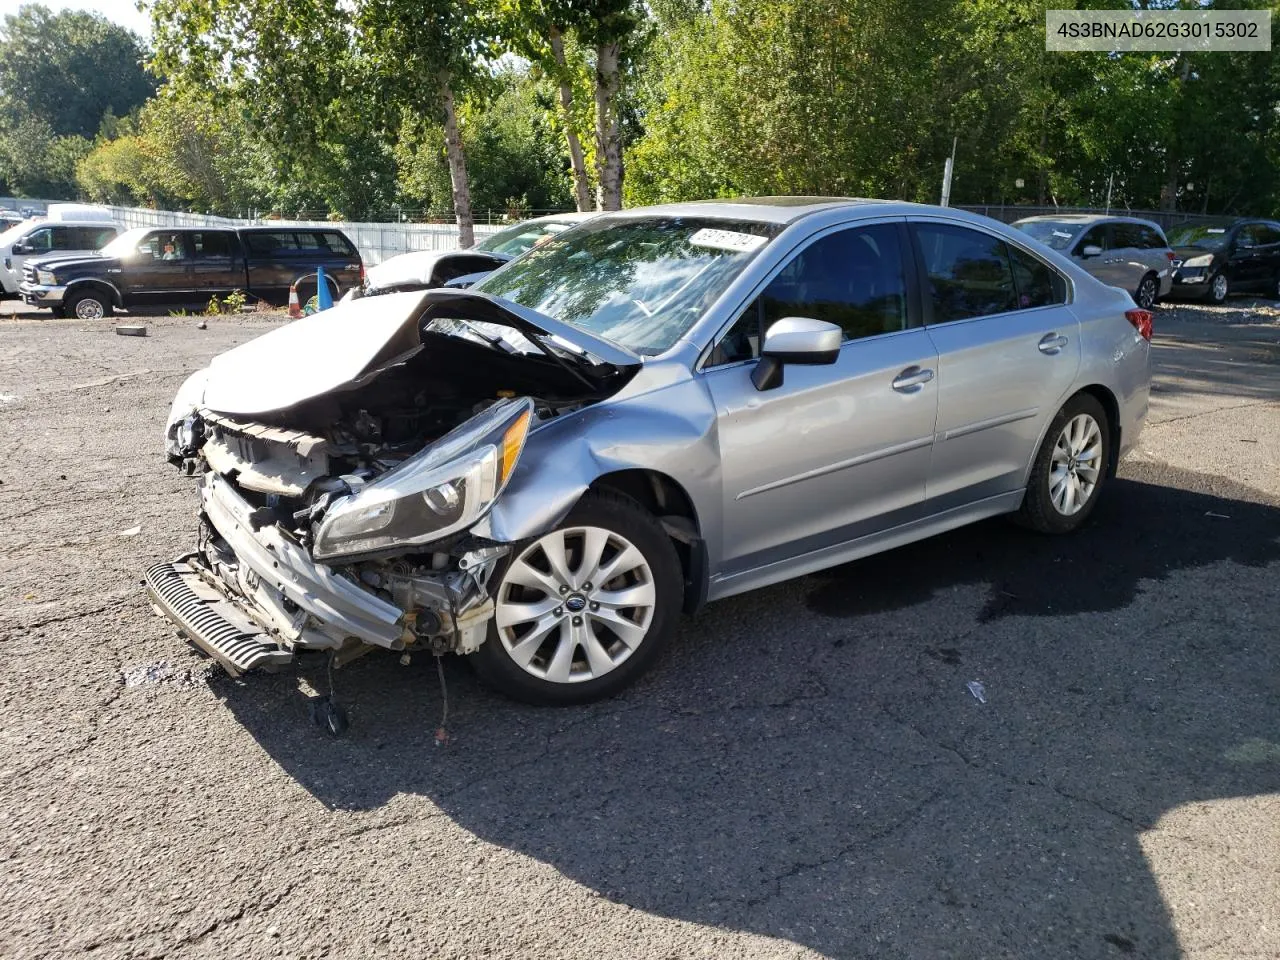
(89, 305)
(1070, 468)
(585, 609)
(1218, 288)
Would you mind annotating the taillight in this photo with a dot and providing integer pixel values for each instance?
(1142, 321)
(1170, 255)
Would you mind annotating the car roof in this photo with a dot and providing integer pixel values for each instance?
(1086, 218)
(781, 210)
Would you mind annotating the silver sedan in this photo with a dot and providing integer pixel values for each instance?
(650, 411)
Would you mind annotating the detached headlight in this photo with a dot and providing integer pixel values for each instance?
(45, 277)
(189, 397)
(1194, 262)
(444, 489)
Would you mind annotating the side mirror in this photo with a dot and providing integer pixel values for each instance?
(19, 249)
(1091, 250)
(795, 340)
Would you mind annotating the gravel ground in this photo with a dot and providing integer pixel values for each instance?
(806, 774)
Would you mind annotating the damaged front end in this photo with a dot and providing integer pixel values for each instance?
(342, 467)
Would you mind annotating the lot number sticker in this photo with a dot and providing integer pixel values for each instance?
(730, 240)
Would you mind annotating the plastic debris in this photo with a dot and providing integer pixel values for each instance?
(978, 690)
(202, 325)
(131, 532)
(1220, 516)
(131, 329)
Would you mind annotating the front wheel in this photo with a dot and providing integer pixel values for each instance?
(1218, 288)
(1148, 289)
(89, 305)
(582, 611)
(1069, 469)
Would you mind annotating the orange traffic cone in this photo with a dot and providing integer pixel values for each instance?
(295, 309)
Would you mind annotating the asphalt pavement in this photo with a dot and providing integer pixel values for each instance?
(805, 774)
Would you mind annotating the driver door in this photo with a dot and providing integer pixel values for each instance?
(837, 451)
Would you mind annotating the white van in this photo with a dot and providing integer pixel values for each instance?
(64, 235)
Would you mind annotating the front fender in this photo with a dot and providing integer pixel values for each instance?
(670, 429)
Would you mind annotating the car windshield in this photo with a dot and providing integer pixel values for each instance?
(638, 282)
(1052, 233)
(515, 240)
(126, 243)
(1205, 236)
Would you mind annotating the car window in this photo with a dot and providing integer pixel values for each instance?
(1095, 237)
(1258, 235)
(1058, 234)
(163, 246)
(1126, 235)
(271, 242)
(94, 238)
(40, 241)
(213, 244)
(742, 341)
(1037, 284)
(337, 243)
(308, 241)
(1151, 239)
(968, 272)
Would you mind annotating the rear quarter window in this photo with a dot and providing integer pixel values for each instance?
(337, 243)
(272, 242)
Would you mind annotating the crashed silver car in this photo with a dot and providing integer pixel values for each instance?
(649, 411)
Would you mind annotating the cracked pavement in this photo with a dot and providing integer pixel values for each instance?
(805, 774)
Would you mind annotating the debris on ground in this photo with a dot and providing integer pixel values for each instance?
(978, 690)
(162, 671)
(202, 325)
(131, 329)
(131, 532)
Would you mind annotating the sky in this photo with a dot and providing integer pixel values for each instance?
(123, 12)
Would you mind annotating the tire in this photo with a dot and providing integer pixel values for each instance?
(1148, 290)
(59, 313)
(547, 660)
(1043, 506)
(1218, 288)
(91, 304)
(307, 289)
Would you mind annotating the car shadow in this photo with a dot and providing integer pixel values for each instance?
(808, 764)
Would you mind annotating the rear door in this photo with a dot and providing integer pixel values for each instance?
(1252, 257)
(1008, 351)
(836, 452)
(1127, 255)
(216, 266)
(273, 262)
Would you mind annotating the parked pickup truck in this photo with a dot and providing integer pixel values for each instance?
(186, 266)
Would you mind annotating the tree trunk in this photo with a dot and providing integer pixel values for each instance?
(608, 148)
(457, 165)
(1169, 192)
(581, 184)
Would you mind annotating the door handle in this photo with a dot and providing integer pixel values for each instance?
(912, 380)
(1112, 260)
(1052, 343)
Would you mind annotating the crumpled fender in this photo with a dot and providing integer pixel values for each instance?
(663, 426)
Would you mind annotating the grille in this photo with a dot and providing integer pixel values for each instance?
(208, 629)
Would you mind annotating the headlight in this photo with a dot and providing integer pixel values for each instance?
(45, 277)
(444, 489)
(189, 397)
(1203, 261)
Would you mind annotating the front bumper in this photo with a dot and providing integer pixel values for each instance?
(40, 295)
(263, 590)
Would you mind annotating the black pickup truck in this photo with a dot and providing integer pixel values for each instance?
(187, 266)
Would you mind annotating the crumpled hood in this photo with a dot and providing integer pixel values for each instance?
(417, 268)
(345, 345)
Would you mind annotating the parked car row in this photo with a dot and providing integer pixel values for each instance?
(645, 411)
(1201, 260)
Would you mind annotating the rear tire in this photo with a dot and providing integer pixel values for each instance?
(1148, 290)
(1070, 468)
(557, 638)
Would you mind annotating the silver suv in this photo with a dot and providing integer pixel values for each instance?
(1122, 252)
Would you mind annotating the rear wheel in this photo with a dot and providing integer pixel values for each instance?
(89, 304)
(1145, 296)
(1069, 469)
(582, 611)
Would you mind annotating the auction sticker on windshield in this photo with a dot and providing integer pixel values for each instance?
(730, 240)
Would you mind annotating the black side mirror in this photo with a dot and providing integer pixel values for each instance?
(795, 340)
(21, 248)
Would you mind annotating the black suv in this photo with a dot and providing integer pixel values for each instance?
(1212, 259)
(186, 266)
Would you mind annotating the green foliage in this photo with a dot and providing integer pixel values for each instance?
(36, 162)
(68, 70)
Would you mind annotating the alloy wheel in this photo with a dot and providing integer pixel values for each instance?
(1219, 288)
(1146, 293)
(575, 604)
(89, 309)
(1077, 462)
